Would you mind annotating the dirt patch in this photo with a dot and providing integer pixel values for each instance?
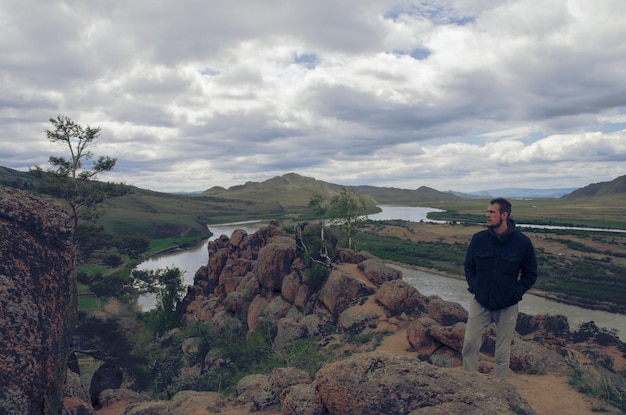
(551, 394)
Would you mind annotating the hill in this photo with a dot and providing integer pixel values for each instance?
(18, 179)
(613, 189)
(291, 191)
(405, 197)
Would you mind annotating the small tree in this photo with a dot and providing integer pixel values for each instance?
(319, 207)
(348, 211)
(168, 286)
(68, 179)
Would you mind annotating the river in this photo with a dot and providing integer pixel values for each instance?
(190, 260)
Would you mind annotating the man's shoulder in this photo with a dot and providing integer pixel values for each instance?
(518, 233)
(481, 234)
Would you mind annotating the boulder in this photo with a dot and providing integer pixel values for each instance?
(269, 393)
(543, 326)
(274, 262)
(107, 376)
(109, 397)
(399, 297)
(418, 335)
(233, 273)
(76, 401)
(377, 272)
(451, 336)
(301, 399)
(530, 357)
(356, 318)
(381, 382)
(342, 291)
(288, 330)
(248, 386)
(445, 312)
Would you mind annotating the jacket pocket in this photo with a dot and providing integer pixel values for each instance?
(511, 264)
(483, 260)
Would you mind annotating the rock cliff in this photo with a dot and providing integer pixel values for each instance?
(37, 303)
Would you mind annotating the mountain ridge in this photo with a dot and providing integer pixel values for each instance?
(383, 194)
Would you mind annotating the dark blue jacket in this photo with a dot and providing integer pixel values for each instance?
(499, 270)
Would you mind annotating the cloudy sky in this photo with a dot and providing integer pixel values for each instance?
(453, 94)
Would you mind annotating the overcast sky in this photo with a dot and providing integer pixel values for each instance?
(456, 95)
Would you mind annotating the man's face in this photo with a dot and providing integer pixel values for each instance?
(495, 219)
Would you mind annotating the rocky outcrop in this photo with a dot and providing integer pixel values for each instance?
(37, 303)
(261, 277)
(368, 383)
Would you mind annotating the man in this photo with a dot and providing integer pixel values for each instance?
(500, 266)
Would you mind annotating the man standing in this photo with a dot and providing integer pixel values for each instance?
(500, 266)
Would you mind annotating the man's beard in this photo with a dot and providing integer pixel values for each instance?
(495, 225)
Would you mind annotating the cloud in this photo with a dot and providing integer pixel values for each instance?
(456, 94)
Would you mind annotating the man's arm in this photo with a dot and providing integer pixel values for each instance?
(470, 268)
(528, 271)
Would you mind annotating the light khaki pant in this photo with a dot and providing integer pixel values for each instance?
(478, 321)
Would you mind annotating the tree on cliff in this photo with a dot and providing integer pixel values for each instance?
(348, 211)
(68, 179)
(319, 207)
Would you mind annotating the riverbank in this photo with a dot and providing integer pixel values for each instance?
(611, 308)
(585, 269)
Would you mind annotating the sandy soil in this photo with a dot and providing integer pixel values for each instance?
(551, 394)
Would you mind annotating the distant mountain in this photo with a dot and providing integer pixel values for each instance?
(614, 188)
(294, 191)
(516, 192)
(291, 191)
(394, 196)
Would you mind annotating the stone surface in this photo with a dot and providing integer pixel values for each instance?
(37, 303)
(385, 383)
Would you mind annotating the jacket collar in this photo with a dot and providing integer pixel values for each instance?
(510, 229)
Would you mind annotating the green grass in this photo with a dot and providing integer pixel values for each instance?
(602, 384)
(158, 245)
(601, 212)
(88, 303)
(436, 255)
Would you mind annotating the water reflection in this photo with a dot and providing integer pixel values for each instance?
(410, 213)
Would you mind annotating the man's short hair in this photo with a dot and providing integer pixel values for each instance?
(505, 205)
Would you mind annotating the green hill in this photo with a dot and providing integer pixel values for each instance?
(615, 189)
(18, 179)
(291, 191)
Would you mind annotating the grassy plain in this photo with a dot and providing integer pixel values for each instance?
(590, 212)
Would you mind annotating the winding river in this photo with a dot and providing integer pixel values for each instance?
(426, 283)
